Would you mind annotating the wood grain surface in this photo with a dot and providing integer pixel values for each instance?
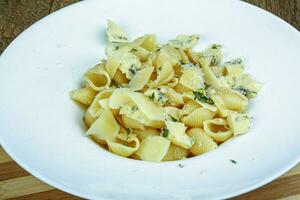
(16, 183)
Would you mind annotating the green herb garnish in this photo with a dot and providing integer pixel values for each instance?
(201, 96)
(180, 165)
(235, 61)
(161, 97)
(173, 118)
(216, 46)
(165, 132)
(152, 96)
(133, 50)
(233, 161)
(134, 108)
(132, 70)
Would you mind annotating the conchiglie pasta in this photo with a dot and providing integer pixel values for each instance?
(173, 82)
(174, 98)
(184, 41)
(189, 107)
(172, 113)
(177, 135)
(95, 108)
(164, 74)
(197, 117)
(147, 41)
(115, 33)
(141, 53)
(120, 78)
(97, 78)
(153, 148)
(84, 96)
(218, 129)
(176, 153)
(182, 89)
(142, 134)
(140, 79)
(238, 123)
(192, 77)
(105, 128)
(132, 123)
(203, 143)
(124, 145)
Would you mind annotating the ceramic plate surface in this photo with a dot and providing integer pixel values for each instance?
(41, 128)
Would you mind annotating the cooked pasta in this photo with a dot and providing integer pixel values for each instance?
(163, 102)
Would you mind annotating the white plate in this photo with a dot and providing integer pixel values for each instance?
(41, 128)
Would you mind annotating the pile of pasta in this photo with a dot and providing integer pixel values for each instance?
(162, 102)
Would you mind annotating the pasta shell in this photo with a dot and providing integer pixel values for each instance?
(189, 107)
(238, 123)
(153, 148)
(217, 129)
(141, 53)
(197, 117)
(97, 78)
(131, 123)
(120, 78)
(84, 96)
(173, 82)
(147, 41)
(176, 153)
(125, 145)
(203, 143)
(115, 33)
(95, 109)
(105, 128)
(182, 89)
(174, 97)
(142, 134)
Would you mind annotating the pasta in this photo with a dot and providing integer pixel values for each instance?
(164, 102)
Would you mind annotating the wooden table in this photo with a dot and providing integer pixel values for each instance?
(16, 183)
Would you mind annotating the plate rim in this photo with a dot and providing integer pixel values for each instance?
(57, 185)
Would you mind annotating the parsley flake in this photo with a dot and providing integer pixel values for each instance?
(180, 165)
(165, 132)
(173, 118)
(233, 161)
(201, 96)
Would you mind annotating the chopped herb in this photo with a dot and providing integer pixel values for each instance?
(157, 50)
(180, 165)
(132, 70)
(216, 46)
(173, 118)
(134, 108)
(128, 130)
(152, 96)
(201, 96)
(235, 61)
(244, 91)
(213, 61)
(161, 97)
(160, 68)
(121, 37)
(233, 161)
(165, 132)
(133, 50)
